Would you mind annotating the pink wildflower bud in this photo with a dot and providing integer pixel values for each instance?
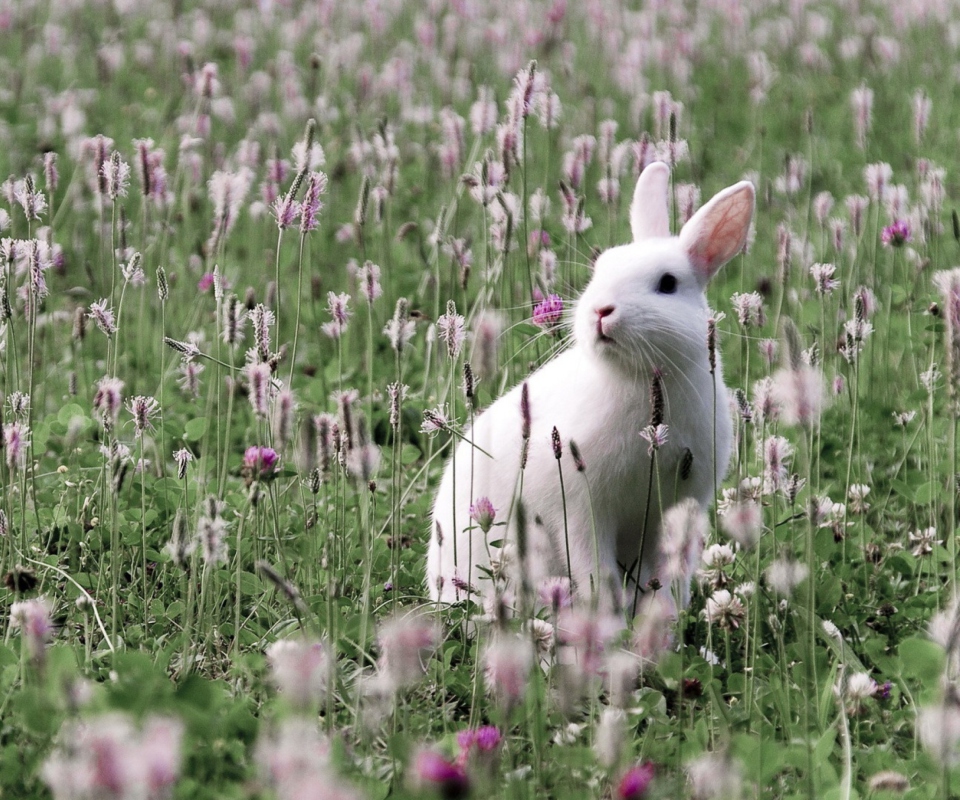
(635, 782)
(483, 513)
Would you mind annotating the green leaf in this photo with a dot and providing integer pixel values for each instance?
(409, 454)
(69, 412)
(195, 429)
(921, 659)
(928, 492)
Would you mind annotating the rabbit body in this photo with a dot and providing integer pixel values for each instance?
(631, 322)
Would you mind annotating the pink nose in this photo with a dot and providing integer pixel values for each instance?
(603, 313)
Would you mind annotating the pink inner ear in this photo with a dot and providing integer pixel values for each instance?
(721, 232)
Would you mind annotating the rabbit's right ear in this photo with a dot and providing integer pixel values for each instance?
(650, 209)
(719, 229)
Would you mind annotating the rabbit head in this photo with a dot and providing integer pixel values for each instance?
(645, 304)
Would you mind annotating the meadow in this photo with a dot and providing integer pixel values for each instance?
(263, 263)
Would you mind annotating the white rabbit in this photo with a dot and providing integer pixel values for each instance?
(643, 312)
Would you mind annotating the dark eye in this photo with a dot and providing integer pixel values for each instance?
(668, 284)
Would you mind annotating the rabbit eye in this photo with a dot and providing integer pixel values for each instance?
(668, 284)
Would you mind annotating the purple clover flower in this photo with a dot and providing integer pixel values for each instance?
(260, 461)
(449, 779)
(483, 513)
(896, 234)
(635, 782)
(548, 313)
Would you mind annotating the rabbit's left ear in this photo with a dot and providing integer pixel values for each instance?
(718, 231)
(650, 211)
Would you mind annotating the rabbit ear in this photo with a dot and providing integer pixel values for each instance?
(718, 231)
(649, 211)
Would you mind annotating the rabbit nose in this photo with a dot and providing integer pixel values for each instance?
(602, 314)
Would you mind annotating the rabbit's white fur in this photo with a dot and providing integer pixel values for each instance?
(598, 393)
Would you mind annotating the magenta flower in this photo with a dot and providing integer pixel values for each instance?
(260, 461)
(635, 782)
(206, 282)
(549, 312)
(896, 234)
(483, 513)
(433, 770)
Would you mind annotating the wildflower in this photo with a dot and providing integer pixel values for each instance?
(434, 420)
(888, 781)
(724, 609)
(406, 644)
(742, 521)
(400, 329)
(656, 436)
(368, 276)
(749, 309)
(776, 452)
(227, 191)
(102, 314)
(548, 313)
(923, 541)
(948, 281)
(555, 593)
(260, 462)
(284, 411)
(716, 558)
(857, 494)
(300, 668)
(182, 457)
(481, 511)
(784, 575)
(483, 112)
(896, 234)
(33, 619)
(432, 771)
(939, 729)
(635, 781)
(482, 741)
(294, 759)
(212, 533)
(142, 408)
(714, 775)
(107, 400)
(33, 202)
(189, 380)
(286, 209)
(610, 737)
(922, 106)
(877, 177)
(684, 530)
(109, 757)
(854, 690)
(861, 99)
(943, 629)
(116, 175)
(588, 633)
(180, 545)
(506, 667)
(16, 443)
(799, 393)
(823, 279)
(50, 174)
(653, 634)
(450, 330)
(312, 202)
(259, 387)
(338, 305)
